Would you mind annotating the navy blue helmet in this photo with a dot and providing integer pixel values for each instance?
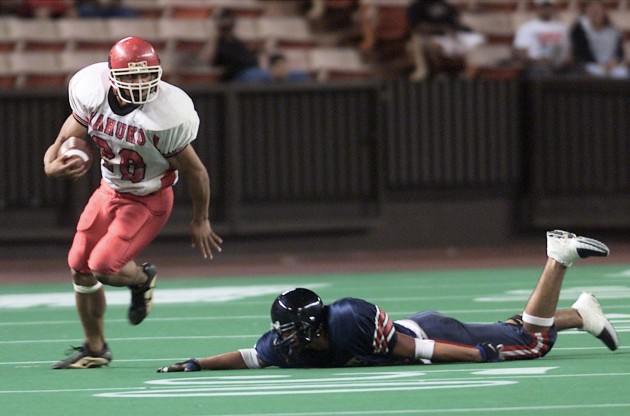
(297, 316)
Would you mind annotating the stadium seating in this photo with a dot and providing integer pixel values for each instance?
(34, 34)
(7, 76)
(6, 43)
(337, 64)
(73, 60)
(85, 34)
(35, 69)
(145, 28)
(281, 31)
(184, 32)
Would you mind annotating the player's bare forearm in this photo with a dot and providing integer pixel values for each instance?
(455, 353)
(227, 361)
(199, 186)
(201, 231)
(406, 348)
(55, 166)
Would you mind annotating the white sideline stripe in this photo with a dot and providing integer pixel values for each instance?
(77, 340)
(69, 390)
(163, 296)
(569, 293)
(616, 318)
(11, 363)
(463, 410)
(153, 319)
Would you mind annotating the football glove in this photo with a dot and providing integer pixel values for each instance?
(489, 352)
(188, 365)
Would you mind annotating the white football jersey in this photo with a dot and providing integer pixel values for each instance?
(544, 39)
(134, 145)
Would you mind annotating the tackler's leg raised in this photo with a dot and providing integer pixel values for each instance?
(594, 321)
(563, 249)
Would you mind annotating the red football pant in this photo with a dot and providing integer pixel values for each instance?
(115, 227)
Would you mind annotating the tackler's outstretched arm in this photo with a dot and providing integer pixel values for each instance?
(235, 360)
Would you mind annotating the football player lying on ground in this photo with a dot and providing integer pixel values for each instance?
(353, 332)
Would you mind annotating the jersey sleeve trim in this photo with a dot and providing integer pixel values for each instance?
(175, 152)
(384, 331)
(80, 120)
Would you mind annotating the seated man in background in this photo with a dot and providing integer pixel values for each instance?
(239, 62)
(352, 332)
(541, 45)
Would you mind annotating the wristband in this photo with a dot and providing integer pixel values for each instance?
(192, 365)
(424, 348)
(484, 356)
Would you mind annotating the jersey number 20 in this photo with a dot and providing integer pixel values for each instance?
(132, 166)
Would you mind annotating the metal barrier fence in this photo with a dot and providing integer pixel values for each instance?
(578, 170)
(453, 134)
(310, 157)
(28, 123)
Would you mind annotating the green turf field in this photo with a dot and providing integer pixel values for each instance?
(201, 316)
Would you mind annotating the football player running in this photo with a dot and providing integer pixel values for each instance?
(352, 332)
(143, 128)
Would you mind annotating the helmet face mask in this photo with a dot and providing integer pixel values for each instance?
(297, 318)
(135, 70)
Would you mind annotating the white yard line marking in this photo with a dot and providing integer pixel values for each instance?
(164, 296)
(463, 410)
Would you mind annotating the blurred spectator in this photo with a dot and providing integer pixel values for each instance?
(383, 26)
(332, 15)
(238, 61)
(280, 71)
(541, 45)
(439, 41)
(45, 8)
(103, 9)
(597, 45)
(10, 7)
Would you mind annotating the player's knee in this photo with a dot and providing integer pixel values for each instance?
(106, 279)
(83, 279)
(109, 256)
(103, 267)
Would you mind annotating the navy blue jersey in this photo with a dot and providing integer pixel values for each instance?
(362, 334)
(359, 334)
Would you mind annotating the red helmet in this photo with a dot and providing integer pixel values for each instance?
(134, 57)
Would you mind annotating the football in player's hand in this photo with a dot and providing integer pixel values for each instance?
(75, 147)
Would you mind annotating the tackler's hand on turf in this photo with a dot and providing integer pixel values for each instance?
(188, 365)
(489, 352)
